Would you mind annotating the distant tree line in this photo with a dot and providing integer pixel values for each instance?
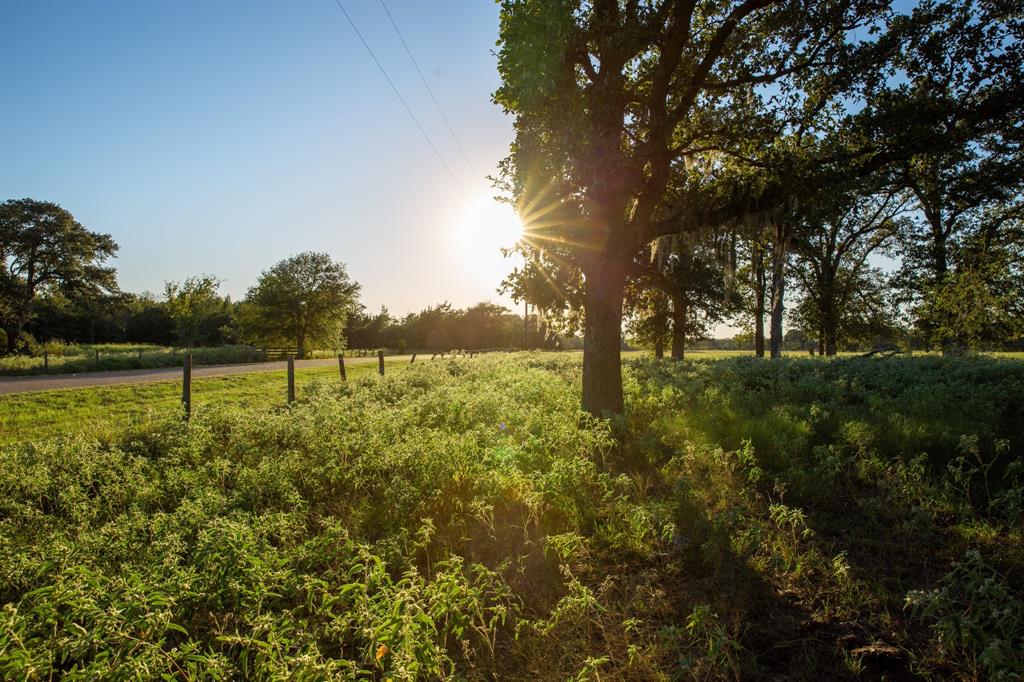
(442, 327)
(56, 284)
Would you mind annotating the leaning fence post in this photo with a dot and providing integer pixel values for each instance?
(341, 366)
(291, 378)
(186, 384)
(413, 359)
(380, 362)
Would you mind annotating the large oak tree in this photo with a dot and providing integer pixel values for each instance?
(624, 110)
(302, 300)
(43, 249)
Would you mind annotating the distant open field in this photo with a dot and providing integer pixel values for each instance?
(103, 410)
(105, 357)
(462, 519)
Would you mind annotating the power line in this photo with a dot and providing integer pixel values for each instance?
(402, 100)
(429, 90)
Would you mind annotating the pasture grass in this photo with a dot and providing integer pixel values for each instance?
(103, 410)
(462, 519)
(77, 358)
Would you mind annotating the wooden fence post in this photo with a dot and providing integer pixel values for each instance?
(140, 354)
(413, 359)
(380, 362)
(186, 384)
(341, 366)
(291, 379)
(46, 361)
(97, 358)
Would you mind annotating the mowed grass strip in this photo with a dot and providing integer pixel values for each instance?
(103, 410)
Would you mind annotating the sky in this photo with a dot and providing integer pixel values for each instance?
(221, 137)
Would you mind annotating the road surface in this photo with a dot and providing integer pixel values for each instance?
(141, 376)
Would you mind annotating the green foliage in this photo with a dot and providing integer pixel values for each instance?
(463, 519)
(975, 618)
(194, 307)
(44, 249)
(977, 306)
(302, 300)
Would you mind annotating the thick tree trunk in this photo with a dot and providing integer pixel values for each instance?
(821, 340)
(830, 345)
(678, 328)
(12, 338)
(778, 289)
(659, 349)
(301, 346)
(830, 333)
(602, 338)
(759, 302)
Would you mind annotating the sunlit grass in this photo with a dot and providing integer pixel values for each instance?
(102, 410)
(461, 519)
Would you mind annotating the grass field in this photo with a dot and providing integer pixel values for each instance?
(461, 519)
(78, 358)
(104, 410)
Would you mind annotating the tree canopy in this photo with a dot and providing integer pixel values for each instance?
(43, 249)
(627, 112)
(302, 300)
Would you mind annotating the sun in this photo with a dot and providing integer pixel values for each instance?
(482, 230)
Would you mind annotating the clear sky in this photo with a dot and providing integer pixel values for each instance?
(222, 137)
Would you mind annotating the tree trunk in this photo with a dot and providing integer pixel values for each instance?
(821, 340)
(659, 349)
(678, 328)
(602, 338)
(830, 332)
(301, 346)
(778, 289)
(12, 338)
(758, 302)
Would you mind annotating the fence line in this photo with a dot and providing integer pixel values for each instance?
(186, 382)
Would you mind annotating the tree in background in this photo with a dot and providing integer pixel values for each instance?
(149, 320)
(648, 317)
(751, 286)
(372, 331)
(841, 292)
(43, 250)
(681, 291)
(958, 105)
(486, 325)
(980, 302)
(303, 300)
(197, 310)
(695, 279)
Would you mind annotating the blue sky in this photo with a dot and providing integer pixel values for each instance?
(222, 137)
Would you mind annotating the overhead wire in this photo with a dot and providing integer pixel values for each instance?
(430, 90)
(402, 100)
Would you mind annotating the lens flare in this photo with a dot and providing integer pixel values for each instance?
(482, 230)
